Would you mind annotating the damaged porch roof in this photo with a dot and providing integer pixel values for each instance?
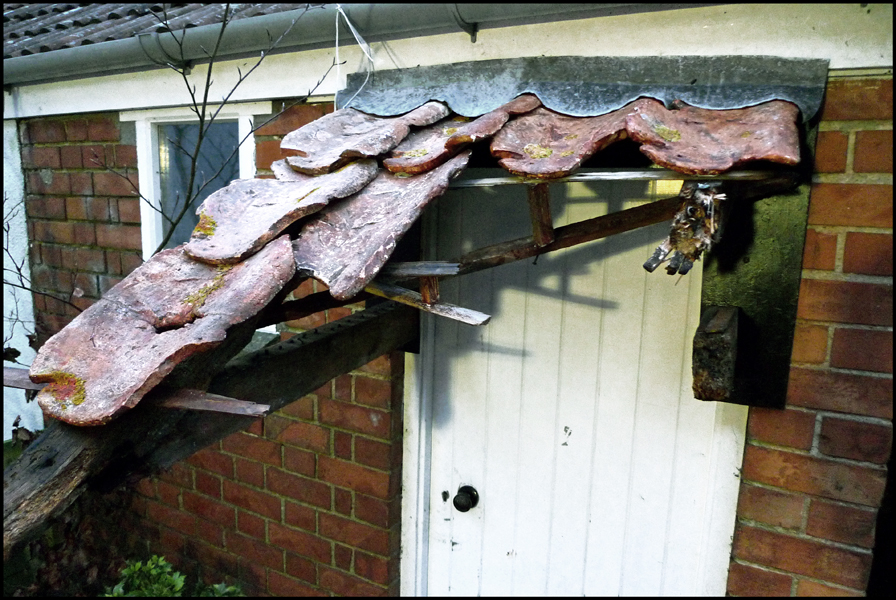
(354, 184)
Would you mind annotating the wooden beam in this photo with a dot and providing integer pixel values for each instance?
(15, 377)
(66, 460)
(409, 270)
(442, 309)
(303, 307)
(715, 353)
(540, 211)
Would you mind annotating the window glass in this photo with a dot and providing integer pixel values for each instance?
(218, 164)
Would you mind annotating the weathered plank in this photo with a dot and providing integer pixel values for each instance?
(715, 353)
(543, 144)
(65, 460)
(698, 141)
(18, 378)
(333, 140)
(412, 298)
(346, 244)
(423, 268)
(238, 220)
(539, 197)
(431, 146)
(167, 310)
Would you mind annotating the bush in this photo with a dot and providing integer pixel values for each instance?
(157, 578)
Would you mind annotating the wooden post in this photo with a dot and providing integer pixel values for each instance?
(715, 354)
(540, 212)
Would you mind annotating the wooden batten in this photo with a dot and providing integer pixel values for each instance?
(715, 354)
(412, 298)
(540, 211)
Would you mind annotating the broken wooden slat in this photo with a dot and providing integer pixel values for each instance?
(431, 146)
(239, 219)
(168, 309)
(571, 235)
(429, 290)
(182, 398)
(715, 354)
(333, 140)
(412, 298)
(64, 460)
(700, 141)
(410, 269)
(540, 210)
(346, 244)
(543, 144)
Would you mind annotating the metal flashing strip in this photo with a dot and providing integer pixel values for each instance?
(590, 86)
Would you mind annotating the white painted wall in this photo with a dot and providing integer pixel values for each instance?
(16, 301)
(849, 35)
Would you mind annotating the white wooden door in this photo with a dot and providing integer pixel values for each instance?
(570, 413)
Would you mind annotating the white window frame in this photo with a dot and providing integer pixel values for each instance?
(147, 124)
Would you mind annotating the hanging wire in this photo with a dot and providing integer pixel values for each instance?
(365, 48)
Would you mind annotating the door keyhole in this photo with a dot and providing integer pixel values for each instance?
(467, 497)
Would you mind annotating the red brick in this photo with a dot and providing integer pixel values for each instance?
(256, 428)
(355, 418)
(300, 542)
(82, 184)
(814, 589)
(46, 207)
(355, 534)
(171, 517)
(772, 507)
(291, 119)
(255, 551)
(840, 523)
(307, 323)
(253, 500)
(334, 314)
(76, 208)
(802, 556)
(44, 156)
(810, 344)
(342, 557)
(114, 184)
(249, 472)
(353, 476)
(209, 485)
(300, 516)
(826, 478)
(107, 283)
(102, 129)
(873, 152)
(303, 408)
(281, 585)
(168, 493)
(830, 152)
(343, 584)
(178, 474)
(373, 392)
(299, 461)
(255, 448)
(845, 302)
(45, 131)
(383, 365)
(267, 152)
(790, 428)
(744, 580)
(251, 525)
(299, 488)
(858, 440)
(130, 261)
(48, 182)
(851, 204)
(868, 253)
(342, 501)
(820, 251)
(76, 131)
(124, 237)
(146, 487)
(85, 233)
(87, 285)
(374, 568)
(210, 532)
(841, 392)
(342, 445)
(129, 210)
(70, 157)
(342, 387)
(862, 350)
(306, 435)
(372, 453)
(97, 156)
(858, 100)
(125, 156)
(373, 510)
(300, 568)
(212, 460)
(209, 509)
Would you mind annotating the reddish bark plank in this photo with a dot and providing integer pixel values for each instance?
(238, 220)
(346, 244)
(431, 146)
(707, 142)
(546, 145)
(331, 141)
(167, 310)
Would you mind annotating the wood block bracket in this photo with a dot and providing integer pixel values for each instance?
(715, 354)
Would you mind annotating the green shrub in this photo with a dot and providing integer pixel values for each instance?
(157, 578)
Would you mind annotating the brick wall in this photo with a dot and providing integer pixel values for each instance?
(83, 220)
(814, 474)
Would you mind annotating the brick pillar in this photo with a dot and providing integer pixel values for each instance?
(305, 501)
(814, 473)
(83, 220)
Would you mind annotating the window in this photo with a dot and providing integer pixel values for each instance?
(164, 170)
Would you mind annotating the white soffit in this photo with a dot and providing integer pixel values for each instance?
(849, 35)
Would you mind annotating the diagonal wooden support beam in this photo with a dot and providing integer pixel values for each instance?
(65, 460)
(442, 309)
